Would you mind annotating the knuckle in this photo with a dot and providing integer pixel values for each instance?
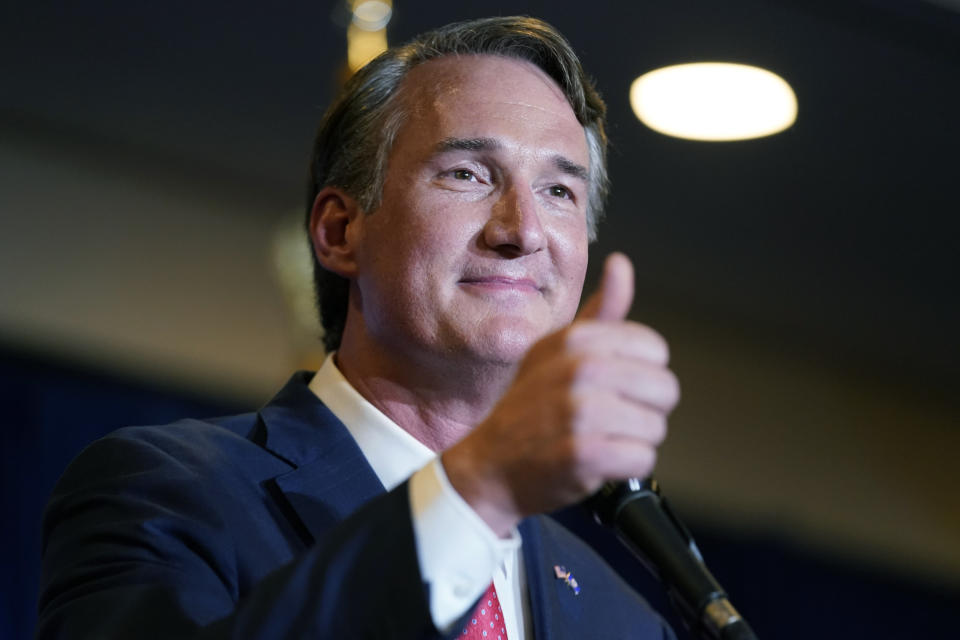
(648, 463)
(672, 388)
(658, 430)
(655, 344)
(660, 348)
(665, 347)
(641, 463)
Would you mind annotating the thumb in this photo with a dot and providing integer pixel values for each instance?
(612, 300)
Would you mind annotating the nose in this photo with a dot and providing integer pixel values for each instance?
(515, 228)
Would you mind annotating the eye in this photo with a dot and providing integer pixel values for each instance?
(559, 191)
(463, 174)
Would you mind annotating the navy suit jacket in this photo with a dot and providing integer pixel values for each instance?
(273, 525)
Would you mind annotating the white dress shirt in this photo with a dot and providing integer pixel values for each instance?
(457, 552)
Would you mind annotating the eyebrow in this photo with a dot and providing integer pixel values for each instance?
(562, 163)
(468, 144)
(571, 168)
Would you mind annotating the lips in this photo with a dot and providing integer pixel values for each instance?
(501, 282)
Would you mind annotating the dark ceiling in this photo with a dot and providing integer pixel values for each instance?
(837, 236)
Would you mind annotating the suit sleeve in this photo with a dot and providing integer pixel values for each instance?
(136, 547)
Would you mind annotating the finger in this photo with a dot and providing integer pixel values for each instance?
(633, 380)
(622, 339)
(630, 459)
(613, 416)
(617, 459)
(612, 300)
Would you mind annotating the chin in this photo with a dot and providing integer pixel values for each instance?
(504, 345)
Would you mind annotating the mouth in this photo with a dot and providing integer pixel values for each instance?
(504, 283)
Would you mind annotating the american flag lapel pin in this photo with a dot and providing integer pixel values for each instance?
(561, 573)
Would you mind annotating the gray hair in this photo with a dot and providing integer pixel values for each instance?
(357, 132)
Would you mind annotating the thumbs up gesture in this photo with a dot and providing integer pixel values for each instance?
(589, 404)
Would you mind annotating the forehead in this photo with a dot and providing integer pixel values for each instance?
(471, 94)
(452, 74)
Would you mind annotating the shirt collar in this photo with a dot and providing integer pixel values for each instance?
(393, 453)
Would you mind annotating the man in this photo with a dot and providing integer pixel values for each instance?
(456, 184)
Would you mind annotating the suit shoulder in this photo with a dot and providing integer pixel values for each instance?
(186, 448)
(224, 428)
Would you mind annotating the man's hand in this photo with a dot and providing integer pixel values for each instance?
(589, 404)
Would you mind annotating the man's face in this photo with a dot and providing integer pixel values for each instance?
(479, 247)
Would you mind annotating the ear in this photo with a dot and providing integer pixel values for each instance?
(333, 237)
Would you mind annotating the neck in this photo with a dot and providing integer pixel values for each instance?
(438, 403)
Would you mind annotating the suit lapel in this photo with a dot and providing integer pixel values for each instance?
(330, 478)
(558, 613)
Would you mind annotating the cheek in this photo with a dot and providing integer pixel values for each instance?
(570, 249)
(412, 249)
(573, 272)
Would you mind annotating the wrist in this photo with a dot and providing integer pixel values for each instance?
(482, 488)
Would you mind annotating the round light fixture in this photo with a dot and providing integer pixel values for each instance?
(371, 15)
(714, 101)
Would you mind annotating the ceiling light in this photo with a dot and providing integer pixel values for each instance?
(713, 101)
(371, 15)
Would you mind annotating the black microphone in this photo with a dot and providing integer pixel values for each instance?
(649, 528)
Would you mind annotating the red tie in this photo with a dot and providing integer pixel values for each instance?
(486, 621)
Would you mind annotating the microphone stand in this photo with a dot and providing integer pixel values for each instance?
(649, 528)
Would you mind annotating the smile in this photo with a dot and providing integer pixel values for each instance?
(502, 283)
